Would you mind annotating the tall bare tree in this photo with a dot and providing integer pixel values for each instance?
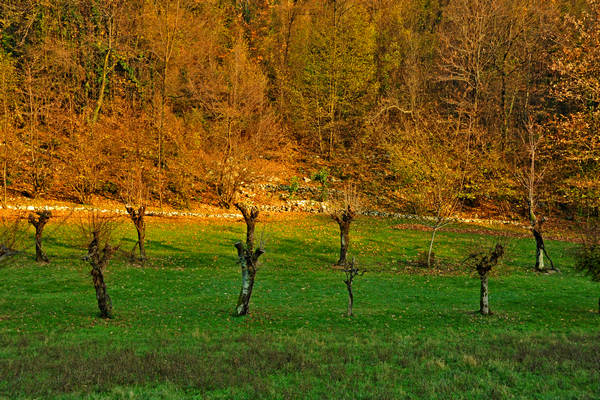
(531, 178)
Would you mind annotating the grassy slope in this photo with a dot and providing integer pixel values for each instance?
(412, 336)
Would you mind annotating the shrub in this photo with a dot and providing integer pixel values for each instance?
(294, 186)
(322, 176)
(588, 253)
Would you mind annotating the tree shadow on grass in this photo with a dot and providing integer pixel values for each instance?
(155, 245)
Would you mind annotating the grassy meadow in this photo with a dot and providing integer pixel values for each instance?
(415, 332)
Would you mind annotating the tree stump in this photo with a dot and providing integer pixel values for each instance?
(39, 223)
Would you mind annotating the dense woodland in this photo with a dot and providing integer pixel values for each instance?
(431, 104)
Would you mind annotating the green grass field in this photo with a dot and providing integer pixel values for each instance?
(414, 334)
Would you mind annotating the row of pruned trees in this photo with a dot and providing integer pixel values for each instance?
(98, 229)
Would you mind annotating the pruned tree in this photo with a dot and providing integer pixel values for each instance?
(483, 262)
(248, 257)
(352, 271)
(43, 216)
(98, 230)
(588, 253)
(137, 216)
(344, 213)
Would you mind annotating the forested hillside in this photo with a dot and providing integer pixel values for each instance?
(426, 104)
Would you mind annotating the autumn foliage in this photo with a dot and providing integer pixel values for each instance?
(187, 99)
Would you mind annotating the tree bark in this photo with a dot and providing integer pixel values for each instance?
(344, 241)
(137, 217)
(344, 218)
(250, 215)
(350, 297)
(431, 248)
(98, 259)
(4, 182)
(39, 224)
(104, 302)
(484, 264)
(540, 250)
(248, 274)
(248, 258)
(484, 305)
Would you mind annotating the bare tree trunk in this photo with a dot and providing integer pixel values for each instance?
(484, 264)
(98, 260)
(540, 250)
(137, 217)
(250, 227)
(344, 241)
(484, 305)
(39, 224)
(248, 274)
(4, 182)
(104, 302)
(431, 247)
(248, 259)
(351, 270)
(350, 297)
(344, 218)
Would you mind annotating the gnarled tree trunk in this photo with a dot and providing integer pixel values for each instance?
(39, 224)
(540, 248)
(484, 265)
(248, 258)
(137, 217)
(484, 304)
(344, 218)
(350, 297)
(98, 259)
(344, 242)
(351, 271)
